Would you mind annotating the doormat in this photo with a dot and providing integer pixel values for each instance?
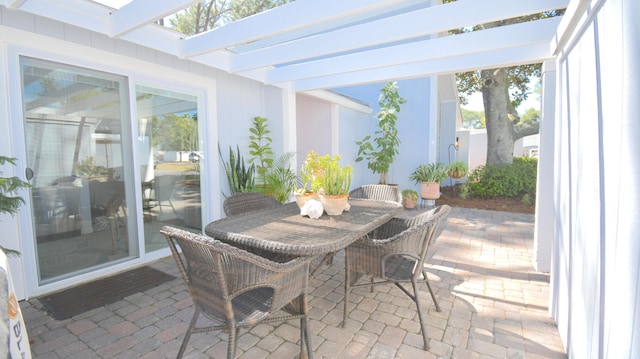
(73, 301)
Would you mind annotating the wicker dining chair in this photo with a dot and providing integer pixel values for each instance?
(247, 202)
(397, 257)
(380, 192)
(237, 289)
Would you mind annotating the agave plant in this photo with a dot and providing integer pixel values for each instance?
(239, 175)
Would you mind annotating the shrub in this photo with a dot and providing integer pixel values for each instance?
(509, 180)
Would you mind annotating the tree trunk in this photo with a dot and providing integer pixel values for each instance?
(497, 109)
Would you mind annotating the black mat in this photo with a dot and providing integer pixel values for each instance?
(76, 300)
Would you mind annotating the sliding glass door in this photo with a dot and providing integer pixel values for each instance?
(76, 128)
(170, 160)
(103, 183)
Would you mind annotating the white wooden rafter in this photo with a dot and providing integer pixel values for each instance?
(312, 44)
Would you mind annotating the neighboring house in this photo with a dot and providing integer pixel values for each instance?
(89, 95)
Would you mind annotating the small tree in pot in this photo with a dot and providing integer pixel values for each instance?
(381, 151)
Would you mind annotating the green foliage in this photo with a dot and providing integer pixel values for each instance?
(509, 180)
(473, 119)
(530, 116)
(457, 169)
(410, 194)
(337, 179)
(175, 133)
(279, 179)
(10, 201)
(260, 147)
(464, 191)
(207, 15)
(432, 172)
(381, 150)
(239, 175)
(312, 173)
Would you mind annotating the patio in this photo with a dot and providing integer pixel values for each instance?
(493, 306)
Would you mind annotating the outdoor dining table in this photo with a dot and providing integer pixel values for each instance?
(283, 230)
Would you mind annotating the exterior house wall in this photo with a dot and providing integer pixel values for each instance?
(228, 106)
(595, 274)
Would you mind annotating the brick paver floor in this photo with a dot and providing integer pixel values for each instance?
(494, 305)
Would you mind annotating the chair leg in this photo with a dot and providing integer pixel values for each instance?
(187, 336)
(347, 281)
(423, 327)
(426, 280)
(233, 341)
(305, 337)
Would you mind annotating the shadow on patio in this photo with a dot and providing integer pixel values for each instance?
(493, 306)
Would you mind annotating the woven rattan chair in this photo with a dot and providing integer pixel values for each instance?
(247, 202)
(238, 289)
(380, 192)
(397, 257)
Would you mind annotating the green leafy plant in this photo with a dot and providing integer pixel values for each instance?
(382, 150)
(239, 175)
(509, 180)
(464, 191)
(458, 169)
(10, 201)
(432, 172)
(260, 147)
(279, 179)
(312, 173)
(410, 194)
(337, 178)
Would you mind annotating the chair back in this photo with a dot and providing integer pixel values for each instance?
(380, 192)
(245, 202)
(201, 268)
(414, 236)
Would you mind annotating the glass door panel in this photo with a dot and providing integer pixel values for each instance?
(75, 126)
(169, 157)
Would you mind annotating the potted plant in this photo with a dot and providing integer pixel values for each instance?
(310, 175)
(336, 184)
(9, 200)
(386, 143)
(458, 169)
(429, 177)
(239, 175)
(409, 198)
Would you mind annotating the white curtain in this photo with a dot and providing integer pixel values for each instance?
(596, 285)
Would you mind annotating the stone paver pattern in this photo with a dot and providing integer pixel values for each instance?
(494, 305)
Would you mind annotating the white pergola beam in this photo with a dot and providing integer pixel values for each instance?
(138, 13)
(295, 15)
(470, 62)
(503, 37)
(391, 29)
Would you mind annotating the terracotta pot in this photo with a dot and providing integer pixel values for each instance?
(409, 203)
(334, 205)
(429, 190)
(302, 198)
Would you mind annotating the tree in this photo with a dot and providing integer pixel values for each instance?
(382, 150)
(503, 90)
(207, 15)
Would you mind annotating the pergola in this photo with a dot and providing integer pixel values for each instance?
(307, 45)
